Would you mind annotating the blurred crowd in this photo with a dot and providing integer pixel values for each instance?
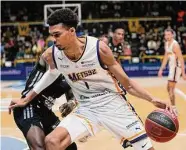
(33, 11)
(147, 38)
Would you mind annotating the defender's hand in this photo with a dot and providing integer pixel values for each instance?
(16, 103)
(9, 109)
(67, 108)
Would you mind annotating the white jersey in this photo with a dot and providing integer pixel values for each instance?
(173, 60)
(87, 78)
(100, 97)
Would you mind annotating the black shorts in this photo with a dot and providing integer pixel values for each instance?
(35, 115)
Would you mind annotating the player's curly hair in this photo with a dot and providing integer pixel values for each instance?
(118, 26)
(65, 16)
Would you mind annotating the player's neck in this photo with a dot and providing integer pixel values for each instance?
(169, 42)
(75, 50)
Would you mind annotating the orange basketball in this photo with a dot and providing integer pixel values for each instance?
(161, 126)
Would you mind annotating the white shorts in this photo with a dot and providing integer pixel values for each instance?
(117, 116)
(174, 74)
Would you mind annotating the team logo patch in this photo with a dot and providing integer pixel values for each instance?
(64, 66)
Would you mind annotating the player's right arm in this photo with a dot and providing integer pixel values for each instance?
(131, 86)
(48, 78)
(163, 65)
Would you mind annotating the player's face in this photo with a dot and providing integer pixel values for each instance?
(61, 36)
(119, 35)
(168, 35)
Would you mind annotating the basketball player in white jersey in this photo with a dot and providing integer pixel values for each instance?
(87, 64)
(173, 54)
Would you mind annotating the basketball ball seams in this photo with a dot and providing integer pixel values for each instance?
(175, 120)
(176, 123)
(154, 136)
(159, 118)
(162, 139)
(161, 127)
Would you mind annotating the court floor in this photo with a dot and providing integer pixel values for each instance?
(12, 138)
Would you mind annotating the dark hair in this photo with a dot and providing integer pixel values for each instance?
(169, 30)
(118, 26)
(65, 16)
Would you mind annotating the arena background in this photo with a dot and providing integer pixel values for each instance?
(24, 35)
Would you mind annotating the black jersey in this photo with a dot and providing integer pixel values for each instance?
(36, 74)
(116, 49)
(47, 96)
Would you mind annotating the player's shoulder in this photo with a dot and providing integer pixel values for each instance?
(49, 49)
(47, 54)
(91, 38)
(176, 44)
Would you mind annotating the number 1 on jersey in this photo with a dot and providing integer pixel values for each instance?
(86, 84)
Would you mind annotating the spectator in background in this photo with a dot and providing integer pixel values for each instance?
(2, 54)
(2, 46)
(140, 30)
(28, 50)
(40, 45)
(8, 33)
(142, 45)
(34, 48)
(180, 17)
(127, 49)
(49, 41)
(35, 32)
(20, 54)
(184, 43)
(151, 46)
(10, 51)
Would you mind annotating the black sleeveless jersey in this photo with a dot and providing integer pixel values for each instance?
(117, 50)
(47, 96)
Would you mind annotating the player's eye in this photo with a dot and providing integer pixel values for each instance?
(56, 35)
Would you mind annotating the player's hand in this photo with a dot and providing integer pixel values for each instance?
(9, 109)
(67, 108)
(184, 76)
(160, 73)
(16, 103)
(163, 105)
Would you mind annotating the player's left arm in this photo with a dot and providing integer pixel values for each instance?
(131, 86)
(178, 53)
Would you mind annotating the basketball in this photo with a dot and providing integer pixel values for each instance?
(161, 126)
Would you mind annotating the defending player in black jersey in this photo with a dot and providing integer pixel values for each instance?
(36, 119)
(116, 45)
(115, 42)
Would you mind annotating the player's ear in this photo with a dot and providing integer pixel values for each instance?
(72, 30)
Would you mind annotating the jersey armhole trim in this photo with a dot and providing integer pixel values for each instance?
(99, 58)
(53, 48)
